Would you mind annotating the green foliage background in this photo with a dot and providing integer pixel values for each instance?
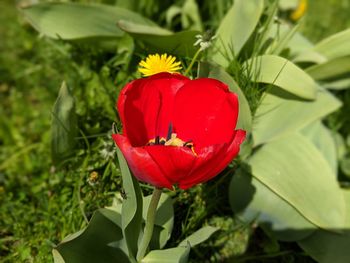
(40, 204)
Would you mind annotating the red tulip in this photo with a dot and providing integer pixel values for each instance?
(177, 130)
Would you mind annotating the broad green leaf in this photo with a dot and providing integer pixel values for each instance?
(309, 56)
(161, 40)
(57, 258)
(171, 13)
(282, 73)
(282, 42)
(297, 44)
(164, 219)
(327, 247)
(335, 46)
(99, 242)
(338, 84)
(288, 4)
(330, 69)
(131, 207)
(322, 138)
(128, 4)
(199, 236)
(63, 126)
(345, 166)
(252, 200)
(70, 21)
(279, 114)
(295, 170)
(135, 28)
(340, 145)
(217, 72)
(170, 255)
(190, 17)
(236, 28)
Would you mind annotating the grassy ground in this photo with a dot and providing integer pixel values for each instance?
(40, 203)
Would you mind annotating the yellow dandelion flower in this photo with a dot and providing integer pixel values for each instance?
(299, 11)
(156, 63)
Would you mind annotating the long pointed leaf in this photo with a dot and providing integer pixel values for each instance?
(131, 207)
(252, 200)
(282, 73)
(328, 247)
(99, 242)
(278, 115)
(64, 126)
(70, 21)
(296, 171)
(235, 29)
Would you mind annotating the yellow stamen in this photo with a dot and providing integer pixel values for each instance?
(156, 63)
(173, 141)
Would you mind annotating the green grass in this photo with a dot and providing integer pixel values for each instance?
(40, 204)
(325, 18)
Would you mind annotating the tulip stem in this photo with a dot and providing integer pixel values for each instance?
(148, 230)
(192, 62)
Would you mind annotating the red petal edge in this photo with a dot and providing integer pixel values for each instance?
(210, 166)
(141, 163)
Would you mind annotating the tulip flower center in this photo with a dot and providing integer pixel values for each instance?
(172, 140)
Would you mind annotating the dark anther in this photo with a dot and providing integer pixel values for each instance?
(157, 140)
(188, 144)
(170, 131)
(162, 142)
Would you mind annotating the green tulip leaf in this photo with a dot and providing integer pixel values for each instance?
(286, 5)
(309, 56)
(171, 13)
(282, 41)
(329, 49)
(134, 28)
(297, 43)
(294, 169)
(236, 28)
(63, 126)
(330, 69)
(327, 247)
(199, 236)
(335, 46)
(170, 255)
(280, 72)
(279, 114)
(324, 141)
(338, 84)
(214, 71)
(100, 241)
(340, 145)
(253, 201)
(131, 207)
(345, 166)
(190, 18)
(71, 21)
(160, 40)
(57, 258)
(164, 220)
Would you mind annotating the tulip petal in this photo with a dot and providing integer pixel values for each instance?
(146, 105)
(205, 112)
(213, 160)
(141, 163)
(175, 162)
